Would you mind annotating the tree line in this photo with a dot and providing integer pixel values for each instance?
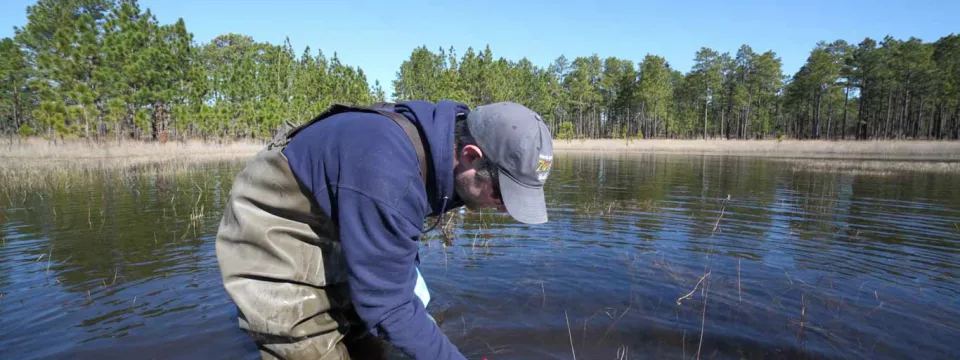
(104, 68)
(107, 69)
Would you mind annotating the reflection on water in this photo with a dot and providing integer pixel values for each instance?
(116, 264)
(645, 256)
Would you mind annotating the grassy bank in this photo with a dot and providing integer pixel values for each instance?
(908, 150)
(37, 158)
(38, 163)
(196, 150)
(42, 152)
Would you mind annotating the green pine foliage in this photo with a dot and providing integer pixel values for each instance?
(107, 69)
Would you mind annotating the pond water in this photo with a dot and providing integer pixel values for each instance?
(645, 256)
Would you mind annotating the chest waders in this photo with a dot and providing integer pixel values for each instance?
(281, 261)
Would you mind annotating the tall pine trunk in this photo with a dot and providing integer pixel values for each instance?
(829, 118)
(746, 119)
(843, 125)
(706, 104)
(729, 112)
(905, 115)
(799, 119)
(721, 124)
(897, 124)
(889, 114)
(86, 122)
(742, 124)
(656, 116)
(938, 119)
(816, 117)
(920, 128)
(598, 131)
(580, 123)
(776, 115)
(16, 109)
(860, 115)
(956, 122)
(101, 130)
(641, 123)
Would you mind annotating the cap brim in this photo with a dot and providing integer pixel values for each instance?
(525, 204)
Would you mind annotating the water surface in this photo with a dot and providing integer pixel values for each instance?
(767, 259)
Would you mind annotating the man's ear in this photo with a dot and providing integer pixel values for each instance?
(469, 155)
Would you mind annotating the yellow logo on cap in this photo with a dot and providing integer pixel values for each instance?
(543, 167)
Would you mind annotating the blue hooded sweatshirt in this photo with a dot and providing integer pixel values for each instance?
(363, 171)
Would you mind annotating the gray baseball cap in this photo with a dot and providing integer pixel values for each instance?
(517, 140)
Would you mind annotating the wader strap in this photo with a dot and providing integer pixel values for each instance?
(414, 135)
(409, 128)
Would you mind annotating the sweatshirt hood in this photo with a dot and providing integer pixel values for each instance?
(436, 122)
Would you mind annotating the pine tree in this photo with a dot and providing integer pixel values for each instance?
(655, 95)
(98, 68)
(946, 55)
(15, 95)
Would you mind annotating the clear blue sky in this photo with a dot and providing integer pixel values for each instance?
(379, 35)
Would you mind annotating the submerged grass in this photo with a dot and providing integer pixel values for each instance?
(599, 207)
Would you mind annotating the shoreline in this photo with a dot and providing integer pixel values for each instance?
(36, 148)
(37, 155)
(37, 162)
(43, 150)
(906, 150)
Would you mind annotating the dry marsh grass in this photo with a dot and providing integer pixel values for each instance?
(33, 162)
(38, 164)
(873, 167)
(934, 150)
(88, 151)
(34, 148)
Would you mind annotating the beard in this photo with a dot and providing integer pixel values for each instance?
(462, 188)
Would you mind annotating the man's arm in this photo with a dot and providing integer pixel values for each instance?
(380, 246)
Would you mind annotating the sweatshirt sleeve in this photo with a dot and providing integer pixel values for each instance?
(380, 246)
